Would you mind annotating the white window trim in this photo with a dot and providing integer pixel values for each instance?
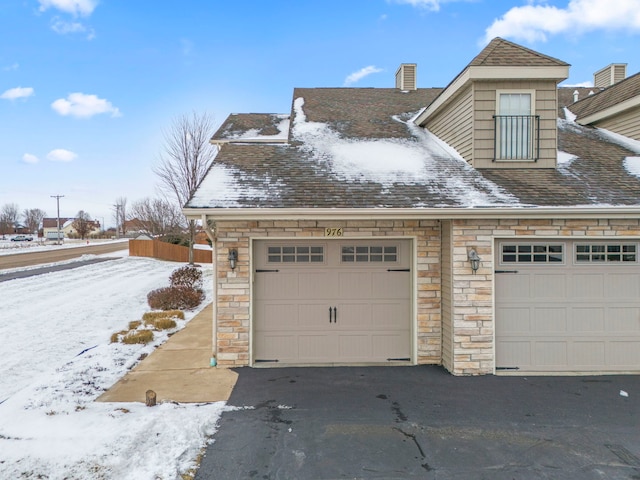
(516, 91)
(532, 263)
(604, 243)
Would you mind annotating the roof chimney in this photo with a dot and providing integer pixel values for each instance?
(609, 75)
(406, 76)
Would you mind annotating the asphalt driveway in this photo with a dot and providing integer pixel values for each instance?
(421, 422)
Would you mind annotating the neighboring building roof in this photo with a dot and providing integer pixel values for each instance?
(501, 53)
(357, 148)
(53, 222)
(253, 128)
(613, 96)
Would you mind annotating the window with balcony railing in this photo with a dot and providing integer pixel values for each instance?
(517, 137)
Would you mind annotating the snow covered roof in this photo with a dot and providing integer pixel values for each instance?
(253, 128)
(357, 148)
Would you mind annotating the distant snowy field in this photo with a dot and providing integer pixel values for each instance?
(57, 359)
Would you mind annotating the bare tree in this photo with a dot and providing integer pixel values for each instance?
(8, 218)
(33, 218)
(157, 217)
(83, 224)
(186, 157)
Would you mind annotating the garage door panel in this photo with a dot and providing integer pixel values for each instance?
(353, 315)
(549, 286)
(314, 347)
(277, 286)
(550, 320)
(279, 316)
(514, 353)
(390, 284)
(385, 315)
(514, 320)
(314, 285)
(587, 286)
(514, 287)
(624, 355)
(312, 315)
(589, 354)
(623, 286)
(273, 346)
(588, 319)
(355, 347)
(551, 353)
(625, 320)
(581, 312)
(395, 346)
(354, 285)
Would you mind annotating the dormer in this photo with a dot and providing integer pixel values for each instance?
(501, 110)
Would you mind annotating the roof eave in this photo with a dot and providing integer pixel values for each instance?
(478, 73)
(340, 214)
(609, 112)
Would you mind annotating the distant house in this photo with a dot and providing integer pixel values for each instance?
(50, 228)
(491, 226)
(133, 227)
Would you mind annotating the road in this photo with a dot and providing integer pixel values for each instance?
(58, 255)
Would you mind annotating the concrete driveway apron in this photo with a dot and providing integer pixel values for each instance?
(421, 422)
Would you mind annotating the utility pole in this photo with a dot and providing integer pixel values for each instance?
(58, 197)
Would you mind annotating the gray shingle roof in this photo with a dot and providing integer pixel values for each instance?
(608, 97)
(500, 52)
(307, 173)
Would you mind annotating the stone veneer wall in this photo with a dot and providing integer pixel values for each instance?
(233, 288)
(473, 320)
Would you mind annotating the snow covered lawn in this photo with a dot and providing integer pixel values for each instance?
(57, 359)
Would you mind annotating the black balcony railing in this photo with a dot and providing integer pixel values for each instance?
(517, 137)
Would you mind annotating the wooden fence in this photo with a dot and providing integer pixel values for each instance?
(167, 251)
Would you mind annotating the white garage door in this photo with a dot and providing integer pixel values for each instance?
(567, 306)
(332, 302)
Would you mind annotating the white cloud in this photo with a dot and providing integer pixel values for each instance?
(360, 74)
(84, 106)
(587, 84)
(29, 158)
(536, 22)
(61, 155)
(18, 92)
(10, 68)
(74, 7)
(433, 5)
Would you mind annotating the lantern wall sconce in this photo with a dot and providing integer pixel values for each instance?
(474, 259)
(233, 258)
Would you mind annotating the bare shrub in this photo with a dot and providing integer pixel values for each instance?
(115, 338)
(189, 277)
(164, 323)
(150, 316)
(135, 324)
(175, 298)
(137, 336)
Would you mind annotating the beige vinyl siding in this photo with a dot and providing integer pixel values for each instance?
(447, 313)
(609, 75)
(619, 73)
(484, 96)
(454, 123)
(626, 123)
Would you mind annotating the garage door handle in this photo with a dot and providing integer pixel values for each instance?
(335, 315)
(330, 317)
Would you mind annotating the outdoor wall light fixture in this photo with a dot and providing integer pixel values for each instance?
(233, 258)
(474, 259)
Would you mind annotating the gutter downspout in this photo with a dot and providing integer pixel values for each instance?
(210, 231)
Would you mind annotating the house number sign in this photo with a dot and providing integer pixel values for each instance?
(333, 232)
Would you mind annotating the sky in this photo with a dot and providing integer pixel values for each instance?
(89, 88)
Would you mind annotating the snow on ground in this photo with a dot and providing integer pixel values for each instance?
(57, 360)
